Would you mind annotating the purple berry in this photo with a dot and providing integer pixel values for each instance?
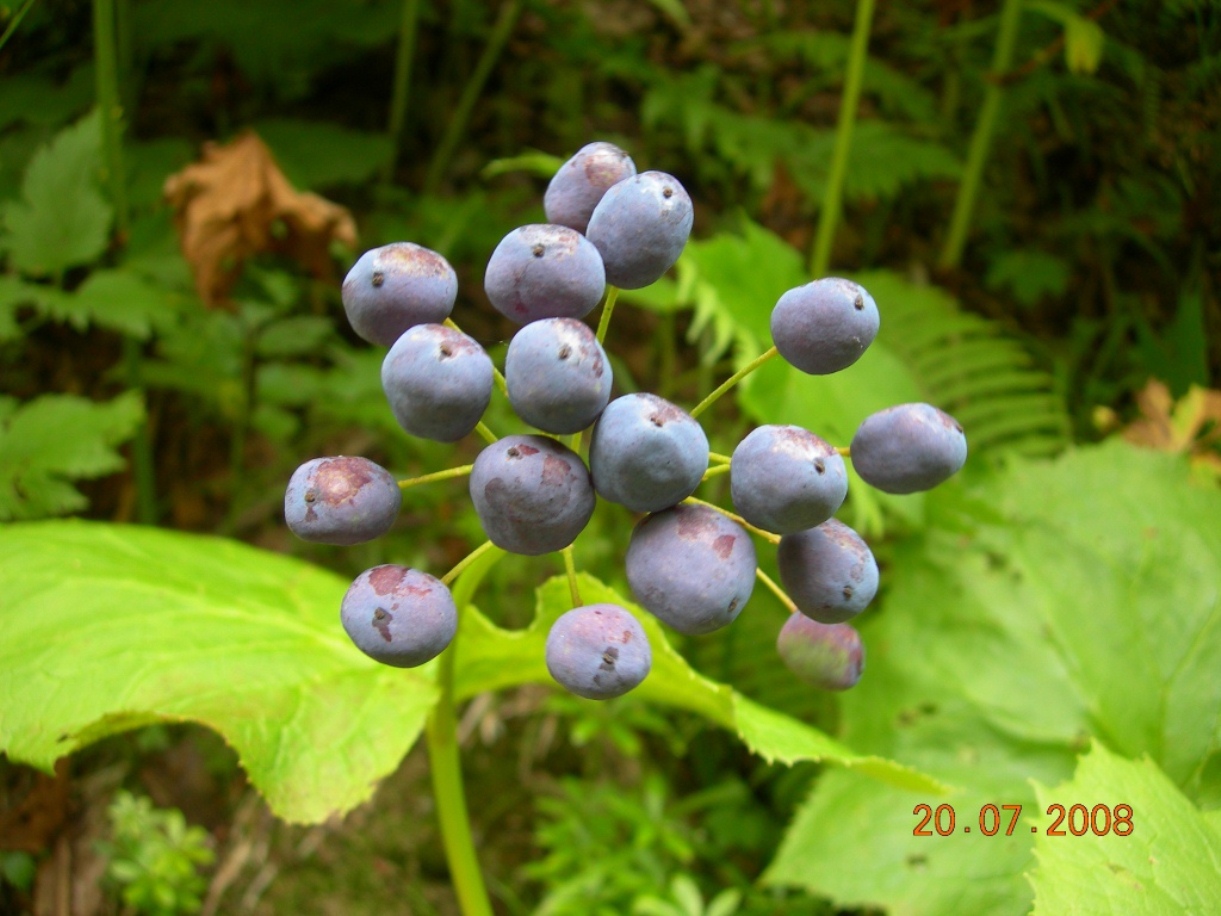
(582, 180)
(396, 287)
(828, 571)
(829, 656)
(598, 651)
(532, 494)
(908, 448)
(824, 326)
(544, 271)
(558, 376)
(438, 382)
(786, 479)
(640, 227)
(647, 453)
(341, 500)
(692, 567)
(399, 616)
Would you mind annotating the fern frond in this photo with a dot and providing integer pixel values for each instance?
(885, 159)
(970, 367)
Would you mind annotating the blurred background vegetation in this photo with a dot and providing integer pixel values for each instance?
(1030, 192)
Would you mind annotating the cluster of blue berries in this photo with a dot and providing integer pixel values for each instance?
(691, 564)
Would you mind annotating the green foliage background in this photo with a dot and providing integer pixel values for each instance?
(1048, 626)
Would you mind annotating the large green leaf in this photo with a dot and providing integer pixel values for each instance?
(1169, 861)
(490, 658)
(1075, 598)
(109, 627)
(162, 625)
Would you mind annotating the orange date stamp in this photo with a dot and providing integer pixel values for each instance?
(1100, 820)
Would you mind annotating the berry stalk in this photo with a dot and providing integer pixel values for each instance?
(776, 590)
(460, 471)
(733, 380)
(612, 295)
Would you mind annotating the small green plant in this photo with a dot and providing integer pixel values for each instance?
(155, 857)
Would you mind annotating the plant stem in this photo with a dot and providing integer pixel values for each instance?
(441, 733)
(466, 561)
(612, 295)
(715, 471)
(775, 589)
(106, 64)
(718, 458)
(828, 217)
(16, 21)
(444, 154)
(981, 139)
(733, 380)
(570, 567)
(402, 85)
(488, 436)
(436, 475)
(844, 451)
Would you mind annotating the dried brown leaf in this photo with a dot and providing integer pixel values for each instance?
(1193, 424)
(236, 203)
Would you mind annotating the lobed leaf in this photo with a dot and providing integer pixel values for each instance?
(490, 658)
(1170, 862)
(109, 627)
(62, 219)
(56, 438)
(1076, 599)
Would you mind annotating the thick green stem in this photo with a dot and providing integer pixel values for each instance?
(106, 65)
(106, 62)
(981, 139)
(442, 737)
(828, 217)
(444, 154)
(402, 84)
(733, 380)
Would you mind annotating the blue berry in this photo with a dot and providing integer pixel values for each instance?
(396, 287)
(544, 271)
(908, 448)
(399, 616)
(598, 651)
(640, 227)
(786, 479)
(341, 500)
(828, 571)
(692, 567)
(557, 374)
(824, 326)
(438, 382)
(582, 180)
(647, 453)
(829, 656)
(531, 493)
